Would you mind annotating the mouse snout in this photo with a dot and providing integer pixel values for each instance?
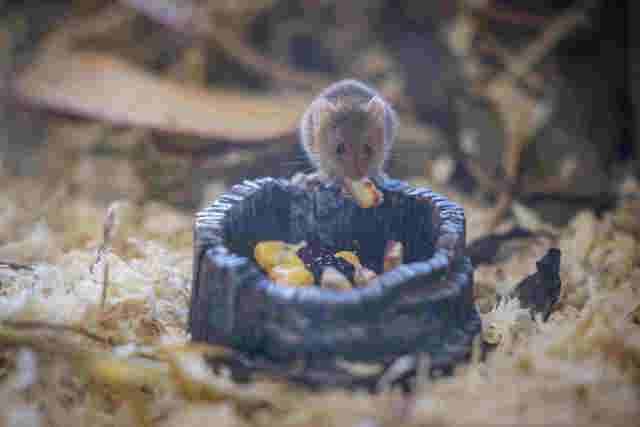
(353, 162)
(361, 166)
(358, 166)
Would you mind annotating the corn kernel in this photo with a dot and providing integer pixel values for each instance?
(349, 257)
(270, 253)
(291, 275)
(289, 257)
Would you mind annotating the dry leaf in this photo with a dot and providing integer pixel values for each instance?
(108, 88)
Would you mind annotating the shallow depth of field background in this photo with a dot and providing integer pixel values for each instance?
(524, 112)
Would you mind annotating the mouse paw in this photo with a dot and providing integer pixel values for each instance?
(308, 181)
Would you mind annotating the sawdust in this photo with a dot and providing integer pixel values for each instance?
(127, 360)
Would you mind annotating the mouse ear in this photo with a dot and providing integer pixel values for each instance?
(321, 110)
(377, 108)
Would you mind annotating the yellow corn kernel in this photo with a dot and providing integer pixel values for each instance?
(290, 257)
(349, 257)
(291, 275)
(270, 253)
(267, 253)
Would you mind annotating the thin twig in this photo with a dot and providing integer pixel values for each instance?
(239, 50)
(15, 266)
(190, 19)
(504, 14)
(77, 28)
(108, 230)
(517, 140)
(36, 324)
(532, 81)
(488, 182)
(517, 123)
(557, 29)
(502, 207)
(105, 285)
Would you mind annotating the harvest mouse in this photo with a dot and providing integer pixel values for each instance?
(347, 132)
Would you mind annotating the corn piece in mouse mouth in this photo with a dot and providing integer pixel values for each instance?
(393, 254)
(365, 192)
(291, 275)
(271, 253)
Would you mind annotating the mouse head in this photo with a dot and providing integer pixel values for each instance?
(349, 140)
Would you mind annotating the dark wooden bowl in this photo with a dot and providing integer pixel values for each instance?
(423, 306)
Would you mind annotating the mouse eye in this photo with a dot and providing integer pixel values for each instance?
(340, 149)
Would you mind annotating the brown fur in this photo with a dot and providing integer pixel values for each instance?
(348, 131)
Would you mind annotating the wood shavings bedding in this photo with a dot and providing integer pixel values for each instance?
(582, 367)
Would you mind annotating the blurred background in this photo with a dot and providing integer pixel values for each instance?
(120, 119)
(516, 103)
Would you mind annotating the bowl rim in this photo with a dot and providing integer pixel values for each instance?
(448, 270)
(449, 244)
